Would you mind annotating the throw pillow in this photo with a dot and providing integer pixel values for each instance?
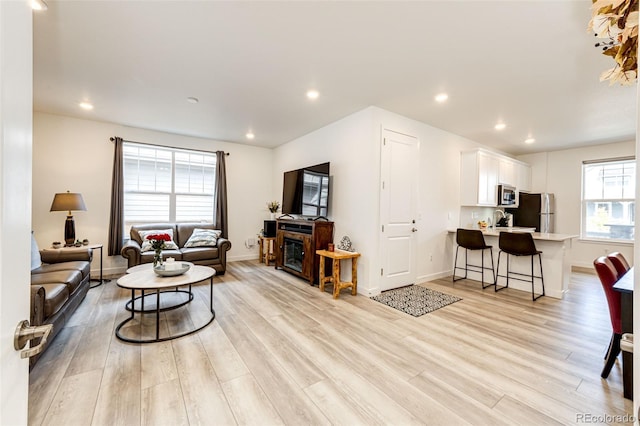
(36, 261)
(146, 243)
(203, 238)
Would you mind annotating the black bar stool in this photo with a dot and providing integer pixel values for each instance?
(519, 244)
(471, 239)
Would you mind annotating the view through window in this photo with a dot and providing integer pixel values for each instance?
(608, 199)
(167, 185)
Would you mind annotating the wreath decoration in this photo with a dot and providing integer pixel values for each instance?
(617, 22)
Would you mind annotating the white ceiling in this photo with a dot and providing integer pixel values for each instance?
(531, 64)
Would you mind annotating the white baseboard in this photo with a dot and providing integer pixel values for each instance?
(242, 257)
(430, 277)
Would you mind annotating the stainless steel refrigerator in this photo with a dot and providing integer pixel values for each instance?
(535, 210)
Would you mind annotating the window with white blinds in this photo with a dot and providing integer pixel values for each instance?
(608, 199)
(167, 185)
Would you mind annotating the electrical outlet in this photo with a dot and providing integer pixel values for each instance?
(430, 258)
(474, 215)
(251, 241)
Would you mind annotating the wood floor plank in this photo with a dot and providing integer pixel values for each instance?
(224, 357)
(249, 403)
(201, 389)
(286, 396)
(162, 404)
(158, 364)
(74, 393)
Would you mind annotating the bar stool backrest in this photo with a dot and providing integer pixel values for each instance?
(517, 243)
(608, 277)
(619, 262)
(471, 239)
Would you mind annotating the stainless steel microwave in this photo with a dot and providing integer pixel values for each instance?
(507, 195)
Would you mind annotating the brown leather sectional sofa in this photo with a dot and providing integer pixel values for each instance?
(58, 286)
(216, 257)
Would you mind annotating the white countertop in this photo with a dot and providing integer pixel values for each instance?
(490, 232)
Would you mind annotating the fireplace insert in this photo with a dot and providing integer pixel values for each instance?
(293, 254)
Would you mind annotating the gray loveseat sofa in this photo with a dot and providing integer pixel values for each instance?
(216, 257)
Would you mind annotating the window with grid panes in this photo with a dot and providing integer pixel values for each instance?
(167, 185)
(608, 199)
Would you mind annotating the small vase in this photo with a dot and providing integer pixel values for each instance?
(157, 258)
(273, 216)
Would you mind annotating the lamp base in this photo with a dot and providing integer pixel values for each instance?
(69, 231)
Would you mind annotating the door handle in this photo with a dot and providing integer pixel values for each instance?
(25, 332)
(413, 229)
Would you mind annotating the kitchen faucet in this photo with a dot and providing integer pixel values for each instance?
(495, 222)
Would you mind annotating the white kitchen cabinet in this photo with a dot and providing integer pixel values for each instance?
(524, 177)
(508, 174)
(478, 178)
(481, 171)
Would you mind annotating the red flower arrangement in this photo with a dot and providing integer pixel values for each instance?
(158, 240)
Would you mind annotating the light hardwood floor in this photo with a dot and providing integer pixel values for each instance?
(282, 352)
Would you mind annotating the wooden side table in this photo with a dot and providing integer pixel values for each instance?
(266, 257)
(338, 285)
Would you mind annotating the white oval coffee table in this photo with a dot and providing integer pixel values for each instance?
(142, 278)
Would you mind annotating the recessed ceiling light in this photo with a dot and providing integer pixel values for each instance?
(529, 140)
(442, 97)
(192, 100)
(250, 135)
(86, 106)
(313, 94)
(38, 5)
(500, 126)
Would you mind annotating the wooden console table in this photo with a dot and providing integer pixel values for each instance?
(338, 285)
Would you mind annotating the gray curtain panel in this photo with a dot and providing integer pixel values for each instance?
(116, 239)
(220, 195)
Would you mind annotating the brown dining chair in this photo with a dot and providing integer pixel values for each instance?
(608, 277)
(619, 262)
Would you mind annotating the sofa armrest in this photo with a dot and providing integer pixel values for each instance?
(37, 305)
(66, 255)
(131, 251)
(224, 245)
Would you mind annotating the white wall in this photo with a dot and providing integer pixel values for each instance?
(352, 145)
(560, 172)
(76, 155)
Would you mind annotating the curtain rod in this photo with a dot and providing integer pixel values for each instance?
(113, 138)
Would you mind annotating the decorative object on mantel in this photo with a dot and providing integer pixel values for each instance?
(617, 21)
(273, 207)
(56, 244)
(415, 300)
(345, 244)
(157, 243)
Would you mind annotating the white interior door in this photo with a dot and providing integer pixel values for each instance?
(398, 209)
(15, 201)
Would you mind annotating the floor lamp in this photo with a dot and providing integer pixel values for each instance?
(68, 201)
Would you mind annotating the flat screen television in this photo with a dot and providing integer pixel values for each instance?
(305, 192)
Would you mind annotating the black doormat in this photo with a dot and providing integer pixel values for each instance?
(415, 300)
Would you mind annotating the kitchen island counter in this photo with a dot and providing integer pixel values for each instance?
(555, 265)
